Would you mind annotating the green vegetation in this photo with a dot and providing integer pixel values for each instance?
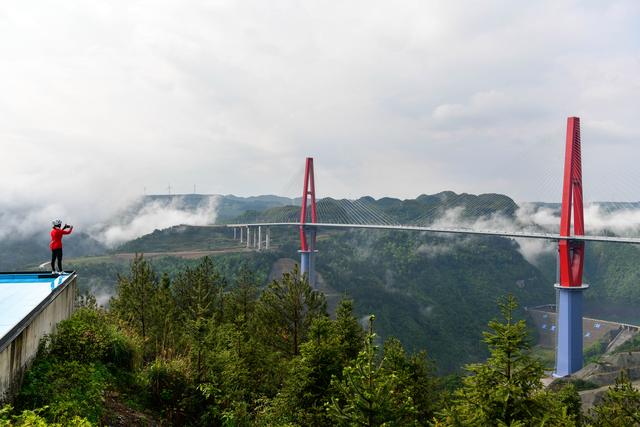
(632, 345)
(546, 356)
(203, 348)
(76, 366)
(620, 406)
(613, 267)
(595, 350)
(181, 238)
(507, 388)
(430, 291)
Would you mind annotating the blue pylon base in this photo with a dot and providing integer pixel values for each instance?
(308, 265)
(569, 330)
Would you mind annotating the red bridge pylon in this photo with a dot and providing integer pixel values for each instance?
(571, 259)
(572, 252)
(308, 234)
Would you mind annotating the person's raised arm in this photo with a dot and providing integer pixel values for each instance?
(67, 229)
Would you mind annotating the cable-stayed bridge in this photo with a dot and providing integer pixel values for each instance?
(450, 213)
(445, 230)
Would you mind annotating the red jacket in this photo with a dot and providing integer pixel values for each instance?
(56, 237)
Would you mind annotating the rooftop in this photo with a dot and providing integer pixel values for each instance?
(21, 293)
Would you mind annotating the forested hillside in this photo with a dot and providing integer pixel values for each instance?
(430, 291)
(209, 349)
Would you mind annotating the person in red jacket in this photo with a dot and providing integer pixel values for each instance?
(56, 243)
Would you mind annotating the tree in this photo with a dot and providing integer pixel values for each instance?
(348, 333)
(285, 312)
(620, 406)
(164, 313)
(134, 298)
(416, 378)
(370, 392)
(242, 298)
(506, 389)
(199, 300)
(306, 390)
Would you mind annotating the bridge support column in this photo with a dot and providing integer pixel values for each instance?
(267, 241)
(259, 238)
(569, 333)
(308, 265)
(248, 237)
(234, 233)
(241, 232)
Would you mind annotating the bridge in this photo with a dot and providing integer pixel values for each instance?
(358, 214)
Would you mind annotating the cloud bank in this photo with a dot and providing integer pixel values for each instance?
(155, 215)
(599, 219)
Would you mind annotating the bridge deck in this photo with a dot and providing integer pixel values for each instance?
(513, 234)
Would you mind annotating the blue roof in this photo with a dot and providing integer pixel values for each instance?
(21, 293)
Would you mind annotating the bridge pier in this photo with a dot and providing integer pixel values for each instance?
(267, 241)
(308, 265)
(569, 334)
(259, 238)
(234, 233)
(241, 232)
(248, 238)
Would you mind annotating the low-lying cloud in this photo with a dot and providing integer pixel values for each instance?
(157, 215)
(600, 218)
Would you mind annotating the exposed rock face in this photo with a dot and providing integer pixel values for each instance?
(608, 368)
(604, 374)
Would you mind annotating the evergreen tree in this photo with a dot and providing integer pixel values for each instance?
(348, 333)
(286, 309)
(331, 345)
(507, 389)
(416, 378)
(199, 299)
(164, 314)
(370, 393)
(135, 295)
(242, 298)
(620, 406)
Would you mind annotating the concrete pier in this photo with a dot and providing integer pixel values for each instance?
(267, 242)
(569, 348)
(308, 265)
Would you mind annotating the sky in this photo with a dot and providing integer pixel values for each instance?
(103, 101)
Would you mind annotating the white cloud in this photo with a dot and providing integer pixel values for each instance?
(156, 215)
(599, 219)
(103, 99)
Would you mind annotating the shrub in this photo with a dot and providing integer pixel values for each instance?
(169, 387)
(29, 418)
(65, 389)
(89, 337)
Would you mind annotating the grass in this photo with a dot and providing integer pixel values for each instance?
(547, 356)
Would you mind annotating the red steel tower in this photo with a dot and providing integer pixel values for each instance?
(308, 234)
(571, 258)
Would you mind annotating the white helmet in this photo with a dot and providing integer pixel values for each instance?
(56, 222)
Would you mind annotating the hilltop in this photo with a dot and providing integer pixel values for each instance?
(431, 291)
